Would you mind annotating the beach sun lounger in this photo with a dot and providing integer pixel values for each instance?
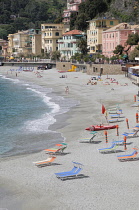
(45, 162)
(120, 142)
(70, 174)
(128, 156)
(116, 116)
(89, 140)
(55, 151)
(118, 111)
(115, 120)
(67, 172)
(131, 135)
(112, 148)
(58, 150)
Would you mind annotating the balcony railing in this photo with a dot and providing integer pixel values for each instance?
(101, 26)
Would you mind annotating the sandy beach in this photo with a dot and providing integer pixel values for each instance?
(107, 183)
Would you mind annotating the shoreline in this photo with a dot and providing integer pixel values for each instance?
(108, 183)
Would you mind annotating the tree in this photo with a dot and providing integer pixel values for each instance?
(118, 50)
(55, 55)
(80, 22)
(3, 34)
(82, 45)
(134, 53)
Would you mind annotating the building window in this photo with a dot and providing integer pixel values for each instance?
(57, 34)
(111, 23)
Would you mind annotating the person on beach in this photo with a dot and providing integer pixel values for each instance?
(67, 90)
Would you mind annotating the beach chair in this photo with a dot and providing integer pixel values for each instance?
(58, 150)
(53, 151)
(118, 111)
(128, 156)
(119, 142)
(115, 120)
(136, 128)
(116, 116)
(112, 148)
(131, 135)
(89, 140)
(46, 162)
(67, 172)
(70, 174)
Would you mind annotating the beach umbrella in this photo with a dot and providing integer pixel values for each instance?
(136, 117)
(106, 136)
(117, 127)
(103, 109)
(125, 143)
(127, 123)
(134, 98)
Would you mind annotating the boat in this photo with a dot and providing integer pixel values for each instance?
(100, 127)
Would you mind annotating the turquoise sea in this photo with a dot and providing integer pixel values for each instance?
(26, 113)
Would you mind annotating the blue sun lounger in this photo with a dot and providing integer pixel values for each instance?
(108, 149)
(67, 172)
(130, 135)
(127, 157)
(118, 142)
(70, 174)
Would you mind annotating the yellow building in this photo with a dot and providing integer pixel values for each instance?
(50, 34)
(94, 33)
(20, 43)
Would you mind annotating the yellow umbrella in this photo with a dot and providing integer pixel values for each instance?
(11, 57)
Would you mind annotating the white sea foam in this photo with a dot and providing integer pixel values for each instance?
(10, 79)
(55, 107)
(40, 125)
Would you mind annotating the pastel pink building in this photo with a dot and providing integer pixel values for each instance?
(72, 6)
(117, 35)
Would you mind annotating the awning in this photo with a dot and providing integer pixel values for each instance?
(125, 56)
(134, 67)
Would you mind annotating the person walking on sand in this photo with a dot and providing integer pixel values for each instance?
(67, 90)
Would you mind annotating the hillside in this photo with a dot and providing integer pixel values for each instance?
(23, 14)
(125, 10)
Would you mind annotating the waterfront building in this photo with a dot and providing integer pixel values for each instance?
(95, 30)
(117, 35)
(67, 45)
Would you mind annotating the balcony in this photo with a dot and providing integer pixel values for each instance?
(101, 26)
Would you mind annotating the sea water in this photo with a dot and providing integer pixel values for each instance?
(26, 113)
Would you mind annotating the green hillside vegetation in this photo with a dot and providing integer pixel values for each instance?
(24, 14)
